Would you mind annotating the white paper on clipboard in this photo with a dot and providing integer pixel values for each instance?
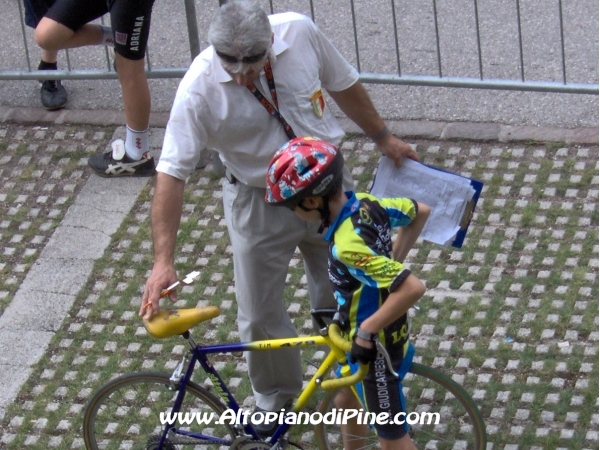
(445, 193)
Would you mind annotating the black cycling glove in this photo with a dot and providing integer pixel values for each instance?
(362, 354)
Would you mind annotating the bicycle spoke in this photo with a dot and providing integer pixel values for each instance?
(426, 390)
(125, 414)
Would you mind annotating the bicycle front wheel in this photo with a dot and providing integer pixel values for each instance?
(126, 413)
(460, 425)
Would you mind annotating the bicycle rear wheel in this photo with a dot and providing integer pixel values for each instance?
(460, 425)
(125, 413)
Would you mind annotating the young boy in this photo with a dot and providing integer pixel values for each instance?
(373, 288)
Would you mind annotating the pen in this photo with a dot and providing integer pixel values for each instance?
(164, 293)
(168, 290)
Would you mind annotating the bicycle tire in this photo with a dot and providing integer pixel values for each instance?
(461, 426)
(125, 413)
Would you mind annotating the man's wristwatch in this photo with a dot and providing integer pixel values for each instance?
(383, 133)
(365, 335)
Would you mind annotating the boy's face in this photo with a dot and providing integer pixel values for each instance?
(307, 212)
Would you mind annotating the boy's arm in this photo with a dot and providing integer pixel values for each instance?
(395, 306)
(406, 237)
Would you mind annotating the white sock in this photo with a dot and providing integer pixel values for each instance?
(107, 36)
(136, 143)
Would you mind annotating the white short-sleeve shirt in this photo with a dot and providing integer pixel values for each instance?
(212, 111)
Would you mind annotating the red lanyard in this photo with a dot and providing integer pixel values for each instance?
(273, 110)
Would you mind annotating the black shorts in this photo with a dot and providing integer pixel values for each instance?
(35, 10)
(130, 21)
(381, 392)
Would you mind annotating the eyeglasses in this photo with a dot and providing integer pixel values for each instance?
(246, 59)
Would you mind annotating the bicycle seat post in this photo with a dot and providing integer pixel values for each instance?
(190, 340)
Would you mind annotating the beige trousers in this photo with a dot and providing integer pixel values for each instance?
(264, 238)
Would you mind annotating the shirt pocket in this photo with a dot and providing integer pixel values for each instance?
(311, 108)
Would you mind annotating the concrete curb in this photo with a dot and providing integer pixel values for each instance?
(24, 115)
(422, 129)
(448, 131)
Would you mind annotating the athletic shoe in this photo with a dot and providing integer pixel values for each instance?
(53, 95)
(117, 164)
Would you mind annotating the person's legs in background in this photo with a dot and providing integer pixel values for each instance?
(66, 25)
(57, 26)
(136, 103)
(53, 95)
(131, 27)
(130, 158)
(53, 36)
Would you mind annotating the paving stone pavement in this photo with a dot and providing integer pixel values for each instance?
(512, 315)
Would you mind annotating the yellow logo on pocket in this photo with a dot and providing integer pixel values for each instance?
(318, 102)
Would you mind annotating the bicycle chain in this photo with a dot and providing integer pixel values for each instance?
(154, 440)
(173, 440)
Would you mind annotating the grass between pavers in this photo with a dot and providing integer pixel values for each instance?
(41, 172)
(512, 315)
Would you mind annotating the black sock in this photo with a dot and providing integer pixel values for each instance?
(47, 66)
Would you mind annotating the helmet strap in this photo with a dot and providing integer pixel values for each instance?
(325, 215)
(324, 212)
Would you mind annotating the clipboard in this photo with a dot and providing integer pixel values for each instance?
(469, 208)
(465, 221)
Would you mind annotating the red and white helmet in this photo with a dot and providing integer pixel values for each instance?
(304, 167)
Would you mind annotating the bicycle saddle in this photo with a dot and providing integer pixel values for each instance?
(170, 322)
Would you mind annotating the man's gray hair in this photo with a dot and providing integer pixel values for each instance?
(240, 28)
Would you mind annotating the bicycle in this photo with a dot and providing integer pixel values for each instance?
(125, 413)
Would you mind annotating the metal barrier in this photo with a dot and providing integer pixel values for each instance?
(437, 76)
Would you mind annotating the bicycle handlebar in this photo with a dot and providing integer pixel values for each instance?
(335, 334)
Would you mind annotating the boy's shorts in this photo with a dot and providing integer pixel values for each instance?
(381, 392)
(130, 21)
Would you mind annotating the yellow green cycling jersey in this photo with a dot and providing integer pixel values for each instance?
(362, 271)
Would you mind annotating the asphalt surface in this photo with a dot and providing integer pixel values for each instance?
(541, 52)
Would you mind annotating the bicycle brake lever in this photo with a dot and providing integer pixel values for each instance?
(177, 373)
(386, 355)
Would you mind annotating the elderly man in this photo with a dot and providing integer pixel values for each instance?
(259, 84)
